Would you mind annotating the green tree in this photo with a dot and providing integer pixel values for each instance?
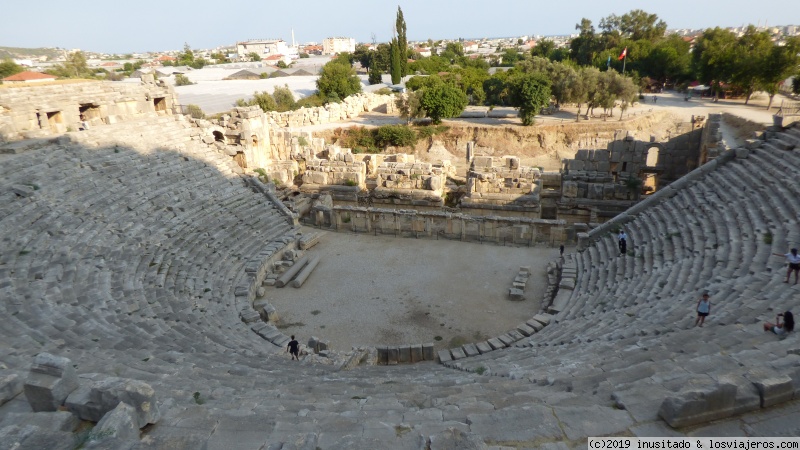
(751, 52)
(510, 57)
(263, 100)
(402, 42)
(9, 67)
(590, 79)
(75, 66)
(543, 48)
(396, 68)
(409, 106)
(182, 80)
(253, 56)
(284, 99)
(635, 25)
(442, 100)
(669, 61)
(375, 75)
(584, 47)
(338, 81)
(530, 92)
(779, 64)
(281, 64)
(714, 57)
(383, 57)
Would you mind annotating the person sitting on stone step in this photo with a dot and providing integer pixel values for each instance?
(294, 349)
(794, 264)
(781, 327)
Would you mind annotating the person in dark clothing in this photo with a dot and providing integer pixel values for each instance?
(623, 242)
(561, 249)
(294, 348)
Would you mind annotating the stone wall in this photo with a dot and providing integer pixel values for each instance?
(349, 108)
(598, 184)
(39, 111)
(436, 225)
(507, 184)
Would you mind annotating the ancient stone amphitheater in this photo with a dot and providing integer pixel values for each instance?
(124, 257)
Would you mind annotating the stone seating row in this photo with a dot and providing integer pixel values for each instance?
(709, 235)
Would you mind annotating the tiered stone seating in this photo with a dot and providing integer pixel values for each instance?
(716, 234)
(126, 261)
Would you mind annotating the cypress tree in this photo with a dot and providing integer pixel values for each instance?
(402, 41)
(396, 68)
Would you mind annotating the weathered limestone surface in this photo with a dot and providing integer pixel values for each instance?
(51, 379)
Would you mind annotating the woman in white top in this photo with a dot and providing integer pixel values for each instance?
(794, 264)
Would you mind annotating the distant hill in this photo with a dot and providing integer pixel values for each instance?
(22, 53)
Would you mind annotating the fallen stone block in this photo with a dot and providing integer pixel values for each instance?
(10, 387)
(119, 424)
(393, 356)
(416, 353)
(427, 352)
(698, 404)
(515, 294)
(445, 356)
(772, 388)
(404, 354)
(458, 353)
(483, 347)
(496, 343)
(91, 402)
(51, 379)
(470, 350)
(544, 319)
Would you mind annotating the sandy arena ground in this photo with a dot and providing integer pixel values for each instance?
(370, 290)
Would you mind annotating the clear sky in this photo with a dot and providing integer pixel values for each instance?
(150, 25)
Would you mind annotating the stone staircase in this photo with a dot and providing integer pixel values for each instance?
(124, 257)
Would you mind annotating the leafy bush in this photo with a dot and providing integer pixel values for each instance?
(360, 139)
(337, 81)
(311, 101)
(350, 182)
(182, 80)
(395, 135)
(284, 99)
(427, 131)
(384, 91)
(195, 111)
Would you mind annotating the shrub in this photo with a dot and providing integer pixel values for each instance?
(350, 182)
(427, 131)
(384, 91)
(311, 101)
(182, 80)
(195, 111)
(395, 135)
(360, 139)
(302, 141)
(262, 175)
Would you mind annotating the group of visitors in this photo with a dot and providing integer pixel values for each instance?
(784, 322)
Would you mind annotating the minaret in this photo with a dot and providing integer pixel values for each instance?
(293, 44)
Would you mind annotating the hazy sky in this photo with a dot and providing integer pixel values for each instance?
(144, 25)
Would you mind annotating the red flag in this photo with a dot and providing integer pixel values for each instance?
(623, 54)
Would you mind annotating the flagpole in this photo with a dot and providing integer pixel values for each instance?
(624, 60)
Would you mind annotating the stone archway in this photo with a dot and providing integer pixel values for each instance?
(650, 172)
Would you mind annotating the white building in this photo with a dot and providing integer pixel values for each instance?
(334, 45)
(264, 48)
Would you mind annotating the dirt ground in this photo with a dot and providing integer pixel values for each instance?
(370, 290)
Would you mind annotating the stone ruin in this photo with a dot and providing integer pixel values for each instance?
(43, 111)
(129, 277)
(506, 186)
(599, 184)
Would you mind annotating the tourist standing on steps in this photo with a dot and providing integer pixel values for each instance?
(561, 249)
(623, 242)
(794, 263)
(294, 349)
(781, 327)
(703, 309)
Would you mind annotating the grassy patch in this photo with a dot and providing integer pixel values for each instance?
(315, 312)
(457, 341)
(400, 430)
(284, 325)
(480, 370)
(437, 338)
(198, 398)
(768, 238)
